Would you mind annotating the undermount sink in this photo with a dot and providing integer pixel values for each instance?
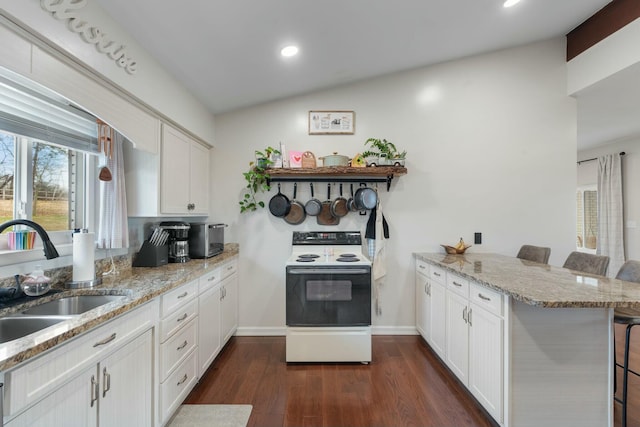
(70, 306)
(12, 328)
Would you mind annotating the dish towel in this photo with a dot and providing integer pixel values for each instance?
(376, 233)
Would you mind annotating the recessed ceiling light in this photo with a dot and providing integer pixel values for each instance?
(509, 3)
(289, 51)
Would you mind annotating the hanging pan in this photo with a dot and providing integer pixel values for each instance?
(313, 206)
(365, 198)
(296, 214)
(351, 203)
(339, 206)
(279, 205)
(325, 217)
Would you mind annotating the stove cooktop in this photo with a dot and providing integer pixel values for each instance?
(318, 248)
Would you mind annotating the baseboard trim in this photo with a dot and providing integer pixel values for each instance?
(260, 331)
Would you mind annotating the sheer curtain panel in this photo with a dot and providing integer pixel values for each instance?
(610, 211)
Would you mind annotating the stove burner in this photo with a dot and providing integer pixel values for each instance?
(347, 259)
(309, 256)
(306, 259)
(347, 255)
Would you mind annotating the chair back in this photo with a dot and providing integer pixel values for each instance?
(534, 253)
(587, 263)
(630, 271)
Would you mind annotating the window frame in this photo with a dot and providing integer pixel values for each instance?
(581, 190)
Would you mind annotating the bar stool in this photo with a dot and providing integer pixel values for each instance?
(587, 263)
(630, 271)
(534, 253)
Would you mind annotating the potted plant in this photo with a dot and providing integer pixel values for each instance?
(257, 179)
(383, 152)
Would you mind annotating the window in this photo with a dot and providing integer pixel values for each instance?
(587, 219)
(38, 181)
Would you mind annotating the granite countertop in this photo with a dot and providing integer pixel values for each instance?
(538, 284)
(137, 284)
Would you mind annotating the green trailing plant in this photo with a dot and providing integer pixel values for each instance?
(382, 148)
(257, 179)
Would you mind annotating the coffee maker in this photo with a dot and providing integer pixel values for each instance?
(178, 240)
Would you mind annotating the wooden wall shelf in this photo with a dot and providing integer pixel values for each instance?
(337, 174)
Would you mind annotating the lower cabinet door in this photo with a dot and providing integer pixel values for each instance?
(208, 328)
(126, 385)
(229, 306)
(485, 360)
(437, 318)
(457, 353)
(74, 404)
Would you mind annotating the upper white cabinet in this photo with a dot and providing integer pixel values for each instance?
(184, 179)
(174, 182)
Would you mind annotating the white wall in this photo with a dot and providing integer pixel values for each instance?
(588, 174)
(151, 83)
(491, 144)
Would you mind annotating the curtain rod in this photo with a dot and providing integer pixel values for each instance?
(622, 153)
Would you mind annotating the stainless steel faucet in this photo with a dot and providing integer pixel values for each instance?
(50, 251)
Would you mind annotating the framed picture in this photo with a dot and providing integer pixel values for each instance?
(332, 122)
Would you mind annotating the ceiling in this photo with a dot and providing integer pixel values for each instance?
(226, 52)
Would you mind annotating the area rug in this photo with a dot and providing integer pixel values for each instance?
(211, 416)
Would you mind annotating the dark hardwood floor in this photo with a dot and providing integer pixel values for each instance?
(405, 385)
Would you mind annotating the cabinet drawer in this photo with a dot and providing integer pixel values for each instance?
(458, 284)
(171, 301)
(229, 268)
(438, 274)
(422, 267)
(176, 387)
(177, 348)
(175, 321)
(209, 280)
(35, 379)
(488, 298)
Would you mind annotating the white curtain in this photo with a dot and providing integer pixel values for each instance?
(113, 230)
(610, 211)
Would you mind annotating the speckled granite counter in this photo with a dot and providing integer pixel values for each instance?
(538, 284)
(137, 284)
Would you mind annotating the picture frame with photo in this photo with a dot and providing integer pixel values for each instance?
(332, 122)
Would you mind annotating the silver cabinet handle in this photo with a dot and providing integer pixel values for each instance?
(425, 288)
(230, 268)
(106, 340)
(182, 380)
(183, 295)
(421, 267)
(464, 314)
(94, 390)
(469, 316)
(106, 382)
(435, 273)
(181, 318)
(483, 297)
(183, 345)
(211, 279)
(457, 284)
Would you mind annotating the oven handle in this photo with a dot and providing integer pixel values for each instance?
(328, 271)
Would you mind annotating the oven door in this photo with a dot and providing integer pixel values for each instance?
(328, 296)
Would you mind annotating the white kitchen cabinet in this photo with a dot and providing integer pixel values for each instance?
(103, 378)
(457, 351)
(229, 300)
(209, 316)
(184, 174)
(178, 347)
(431, 306)
(486, 344)
(174, 182)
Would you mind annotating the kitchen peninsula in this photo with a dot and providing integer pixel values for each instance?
(532, 342)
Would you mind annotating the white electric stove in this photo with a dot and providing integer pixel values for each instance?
(328, 298)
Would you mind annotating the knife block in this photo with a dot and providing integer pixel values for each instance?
(151, 255)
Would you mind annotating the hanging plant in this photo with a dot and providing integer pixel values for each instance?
(257, 179)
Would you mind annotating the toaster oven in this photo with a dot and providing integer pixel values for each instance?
(206, 239)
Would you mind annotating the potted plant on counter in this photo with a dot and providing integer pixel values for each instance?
(383, 153)
(257, 179)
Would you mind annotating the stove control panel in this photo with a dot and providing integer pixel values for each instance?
(326, 238)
